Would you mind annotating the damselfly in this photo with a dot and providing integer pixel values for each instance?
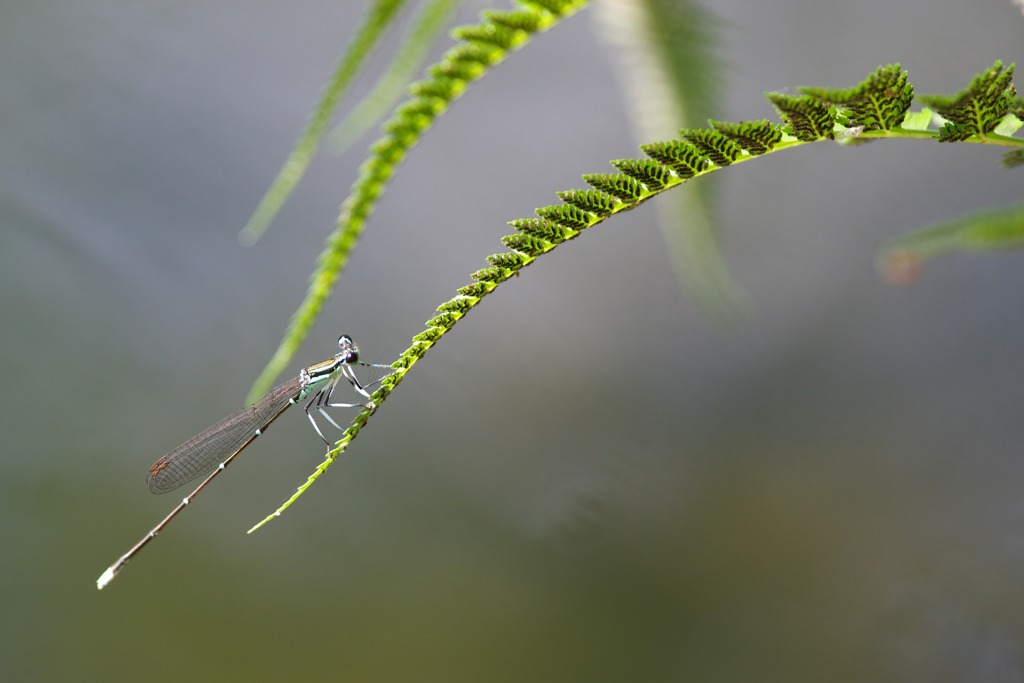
(213, 449)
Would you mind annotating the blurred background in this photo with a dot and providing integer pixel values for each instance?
(588, 479)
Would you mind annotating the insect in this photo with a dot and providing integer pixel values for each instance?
(210, 451)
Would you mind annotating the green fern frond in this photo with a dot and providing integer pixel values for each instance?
(901, 259)
(472, 54)
(719, 148)
(808, 117)
(918, 120)
(567, 216)
(653, 175)
(509, 261)
(1017, 108)
(582, 209)
(482, 48)
(666, 55)
(409, 58)
(620, 186)
(444, 320)
(429, 335)
(525, 244)
(491, 275)
(426, 108)
(458, 305)
(593, 201)
(756, 137)
(528, 22)
(477, 289)
(464, 69)
(956, 132)
(978, 109)
(879, 102)
(543, 229)
(499, 36)
(556, 8)
(1009, 125)
(682, 157)
(443, 88)
(377, 20)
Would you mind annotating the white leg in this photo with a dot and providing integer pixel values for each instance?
(306, 408)
(329, 418)
(353, 380)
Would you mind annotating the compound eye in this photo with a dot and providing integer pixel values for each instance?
(349, 348)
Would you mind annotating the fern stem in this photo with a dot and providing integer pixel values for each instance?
(483, 46)
(671, 163)
(377, 19)
(389, 87)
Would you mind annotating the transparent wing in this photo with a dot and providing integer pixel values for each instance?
(212, 446)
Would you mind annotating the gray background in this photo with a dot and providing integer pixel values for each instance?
(586, 480)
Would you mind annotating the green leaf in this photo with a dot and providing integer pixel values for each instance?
(490, 275)
(879, 102)
(653, 175)
(670, 161)
(1017, 107)
(525, 244)
(719, 148)
(1000, 230)
(978, 109)
(461, 64)
(477, 289)
(543, 229)
(459, 305)
(1009, 125)
(756, 137)
(599, 203)
(489, 33)
(809, 118)
(567, 216)
(918, 120)
(682, 157)
(667, 54)
(377, 19)
(509, 260)
(389, 87)
(527, 22)
(622, 187)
